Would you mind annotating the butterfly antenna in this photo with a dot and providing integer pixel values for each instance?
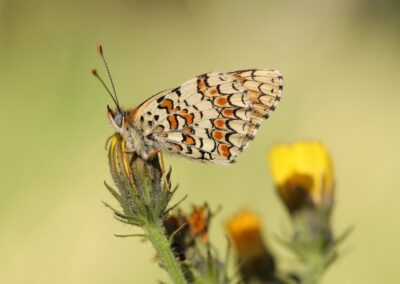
(94, 72)
(115, 99)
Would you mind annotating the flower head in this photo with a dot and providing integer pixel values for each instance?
(254, 259)
(143, 189)
(303, 175)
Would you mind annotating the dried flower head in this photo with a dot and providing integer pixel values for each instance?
(178, 231)
(199, 221)
(187, 228)
(190, 242)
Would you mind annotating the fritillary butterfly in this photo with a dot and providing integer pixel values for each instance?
(210, 118)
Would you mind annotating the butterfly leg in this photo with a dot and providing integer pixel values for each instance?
(162, 163)
(152, 154)
(108, 141)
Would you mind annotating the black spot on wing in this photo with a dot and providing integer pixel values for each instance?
(227, 123)
(201, 142)
(160, 99)
(219, 90)
(177, 91)
(228, 136)
(206, 81)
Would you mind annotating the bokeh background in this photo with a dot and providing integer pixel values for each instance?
(340, 60)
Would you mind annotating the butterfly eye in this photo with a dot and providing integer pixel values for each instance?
(118, 119)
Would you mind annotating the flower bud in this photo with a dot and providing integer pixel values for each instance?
(255, 261)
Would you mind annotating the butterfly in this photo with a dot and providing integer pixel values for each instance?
(210, 118)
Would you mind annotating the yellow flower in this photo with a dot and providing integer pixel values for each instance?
(245, 231)
(303, 174)
(255, 261)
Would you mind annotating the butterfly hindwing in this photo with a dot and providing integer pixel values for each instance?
(212, 117)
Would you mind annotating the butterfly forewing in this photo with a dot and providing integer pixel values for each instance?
(213, 117)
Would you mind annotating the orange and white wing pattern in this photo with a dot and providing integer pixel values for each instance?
(213, 117)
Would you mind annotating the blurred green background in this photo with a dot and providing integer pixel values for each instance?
(341, 63)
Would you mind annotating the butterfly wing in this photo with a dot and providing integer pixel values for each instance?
(213, 117)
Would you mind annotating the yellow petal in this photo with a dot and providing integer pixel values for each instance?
(245, 231)
(293, 165)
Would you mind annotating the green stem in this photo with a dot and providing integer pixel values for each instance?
(160, 242)
(315, 267)
(313, 241)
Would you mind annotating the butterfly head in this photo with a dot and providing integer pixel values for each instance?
(132, 136)
(116, 119)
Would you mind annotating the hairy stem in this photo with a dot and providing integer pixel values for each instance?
(156, 235)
